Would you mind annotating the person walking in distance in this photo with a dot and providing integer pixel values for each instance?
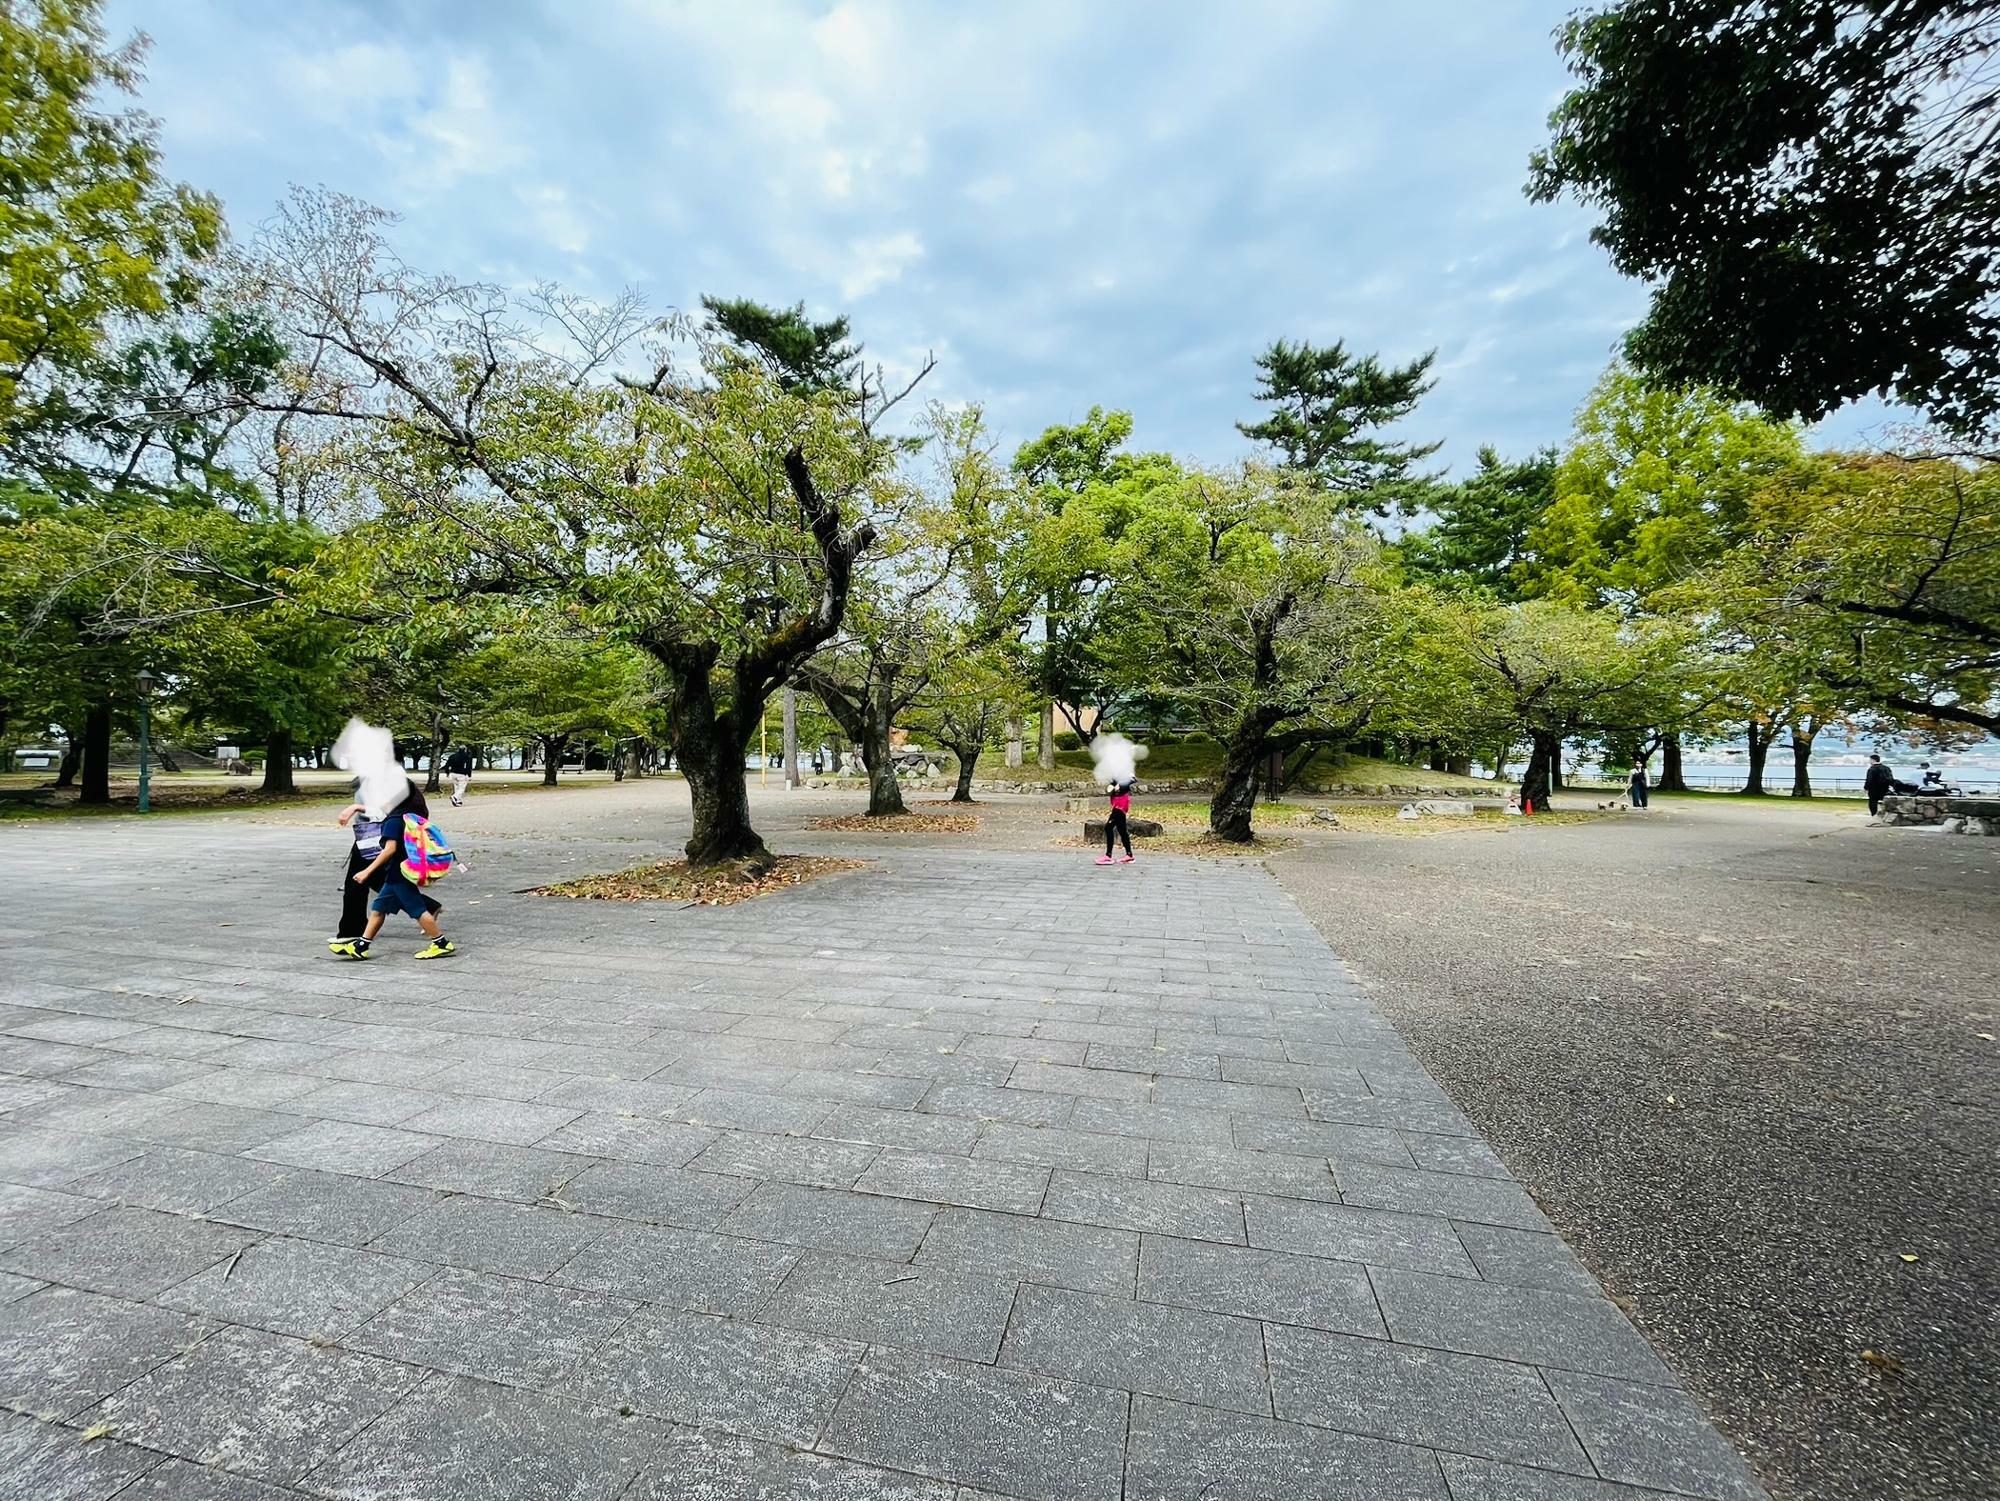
(1878, 783)
(459, 768)
(1116, 825)
(1640, 786)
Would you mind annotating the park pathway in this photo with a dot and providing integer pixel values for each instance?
(965, 1174)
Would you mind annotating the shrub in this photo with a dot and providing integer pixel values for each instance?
(1068, 740)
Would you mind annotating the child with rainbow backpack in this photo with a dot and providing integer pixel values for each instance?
(414, 853)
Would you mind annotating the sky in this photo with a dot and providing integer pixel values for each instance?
(1069, 205)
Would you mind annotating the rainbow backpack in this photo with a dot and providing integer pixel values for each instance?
(426, 852)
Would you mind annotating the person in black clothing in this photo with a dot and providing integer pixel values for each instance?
(1640, 787)
(360, 855)
(458, 766)
(1878, 783)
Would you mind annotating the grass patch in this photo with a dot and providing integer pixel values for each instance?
(676, 881)
(895, 823)
(1197, 813)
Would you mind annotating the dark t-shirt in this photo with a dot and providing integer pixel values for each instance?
(392, 832)
(460, 763)
(1879, 778)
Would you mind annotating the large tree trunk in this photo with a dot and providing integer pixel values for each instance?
(1759, 737)
(885, 793)
(1672, 778)
(1235, 798)
(1438, 759)
(711, 752)
(1046, 756)
(278, 762)
(72, 759)
(1539, 780)
(1013, 740)
(552, 757)
(96, 755)
(1802, 746)
(968, 758)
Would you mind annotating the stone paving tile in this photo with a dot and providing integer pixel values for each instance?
(1464, 1404)
(983, 1102)
(529, 1174)
(131, 1253)
(1029, 1049)
(659, 1195)
(1054, 1146)
(830, 1220)
(218, 1128)
(1184, 1453)
(514, 1123)
(1323, 1139)
(253, 1087)
(748, 1379)
(1019, 1434)
(1243, 1099)
(499, 1328)
(747, 1110)
(298, 1287)
(327, 1206)
(1515, 1323)
(462, 1438)
(1183, 1123)
(1081, 1083)
(491, 1080)
(1267, 1285)
(789, 1159)
(640, 1097)
(256, 1403)
(883, 1090)
(963, 1181)
(137, 1072)
(1011, 1248)
(1490, 1480)
(61, 1350)
(906, 1129)
(177, 1480)
(1376, 1236)
(49, 1159)
(1134, 1204)
(1526, 1258)
(693, 1464)
(43, 1462)
(1246, 1172)
(1154, 1060)
(893, 1303)
(343, 1147)
(1208, 1358)
(178, 1181)
(13, 1287)
(1454, 1154)
(364, 1103)
(681, 1268)
(1387, 1112)
(27, 1212)
(1488, 1201)
(1644, 1436)
(625, 1138)
(493, 1235)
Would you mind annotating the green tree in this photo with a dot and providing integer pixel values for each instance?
(1812, 187)
(1328, 410)
(1479, 536)
(806, 355)
(541, 688)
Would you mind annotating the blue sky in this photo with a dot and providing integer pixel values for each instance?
(1069, 204)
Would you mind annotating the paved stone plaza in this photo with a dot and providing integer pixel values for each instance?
(969, 1174)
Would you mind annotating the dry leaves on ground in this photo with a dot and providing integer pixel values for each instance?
(675, 881)
(896, 823)
(1191, 844)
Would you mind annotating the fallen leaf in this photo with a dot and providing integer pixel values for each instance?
(98, 1430)
(1908, 1257)
(1883, 1362)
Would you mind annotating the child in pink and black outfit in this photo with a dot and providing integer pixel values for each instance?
(1115, 825)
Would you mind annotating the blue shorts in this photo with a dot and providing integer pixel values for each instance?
(399, 896)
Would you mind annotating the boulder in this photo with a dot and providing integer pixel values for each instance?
(1141, 828)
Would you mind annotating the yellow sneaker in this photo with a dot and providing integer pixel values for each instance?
(439, 948)
(350, 948)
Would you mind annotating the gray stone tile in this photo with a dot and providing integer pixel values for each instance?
(1010, 1248)
(1268, 1285)
(1486, 1200)
(13, 1287)
(1183, 1453)
(1463, 1404)
(907, 1129)
(1489, 1480)
(107, 1113)
(218, 1128)
(646, 1098)
(461, 1438)
(1054, 1146)
(1652, 1436)
(681, 1268)
(344, 1147)
(749, 1110)
(61, 1350)
(327, 1206)
(625, 1138)
(493, 1235)
(131, 1253)
(1440, 1118)
(178, 1181)
(1190, 1354)
(368, 1066)
(1018, 1434)
(43, 1462)
(257, 1403)
(363, 1103)
(1376, 1236)
(1243, 1099)
(893, 1303)
(177, 1480)
(659, 1195)
(300, 1287)
(498, 1328)
(1134, 1204)
(1028, 1049)
(747, 1379)
(493, 1080)
(1276, 1133)
(1085, 1083)
(1515, 1323)
(27, 1212)
(788, 1159)
(1154, 1060)
(985, 1102)
(255, 1088)
(49, 1159)
(1242, 1172)
(885, 1090)
(695, 1465)
(830, 1220)
(528, 1174)
(137, 1072)
(514, 1123)
(1155, 1122)
(1455, 1154)
(78, 1031)
(1526, 1258)
(973, 1184)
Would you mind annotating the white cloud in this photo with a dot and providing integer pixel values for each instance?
(877, 262)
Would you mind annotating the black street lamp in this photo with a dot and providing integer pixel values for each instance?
(145, 741)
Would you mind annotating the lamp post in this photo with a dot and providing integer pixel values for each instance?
(145, 745)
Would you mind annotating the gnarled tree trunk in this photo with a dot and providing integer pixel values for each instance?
(868, 716)
(553, 747)
(1234, 801)
(1759, 736)
(1539, 779)
(72, 758)
(1672, 778)
(1802, 748)
(968, 758)
(278, 762)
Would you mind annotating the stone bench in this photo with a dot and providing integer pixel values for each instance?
(1958, 815)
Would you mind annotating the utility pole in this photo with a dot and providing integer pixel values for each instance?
(791, 741)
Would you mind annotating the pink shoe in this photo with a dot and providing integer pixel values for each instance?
(1124, 859)
(1103, 859)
